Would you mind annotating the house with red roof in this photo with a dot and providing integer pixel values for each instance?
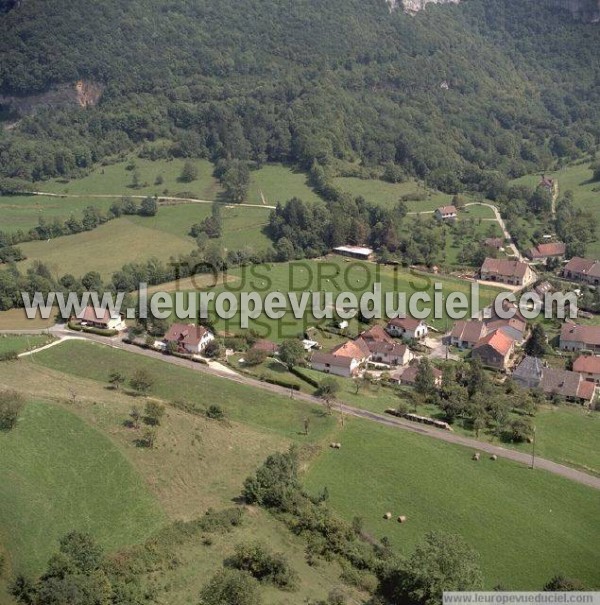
(574, 337)
(495, 350)
(188, 338)
(407, 328)
(588, 366)
(102, 319)
(585, 270)
(466, 334)
(542, 252)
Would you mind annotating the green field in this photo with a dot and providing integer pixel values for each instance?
(527, 525)
(241, 403)
(575, 178)
(333, 274)
(277, 183)
(20, 344)
(388, 194)
(115, 179)
(58, 474)
(23, 212)
(197, 464)
(135, 239)
(546, 519)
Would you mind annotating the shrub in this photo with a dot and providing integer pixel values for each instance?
(153, 412)
(11, 406)
(266, 567)
(213, 349)
(255, 357)
(215, 412)
(282, 383)
(230, 587)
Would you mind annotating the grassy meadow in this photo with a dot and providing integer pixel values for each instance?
(58, 474)
(334, 275)
(388, 194)
(135, 238)
(266, 411)
(549, 521)
(527, 525)
(196, 464)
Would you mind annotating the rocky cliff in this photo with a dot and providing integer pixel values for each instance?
(78, 94)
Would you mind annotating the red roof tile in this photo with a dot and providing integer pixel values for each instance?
(589, 364)
(499, 341)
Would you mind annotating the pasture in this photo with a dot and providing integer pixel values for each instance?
(276, 414)
(270, 184)
(549, 521)
(332, 275)
(196, 464)
(387, 194)
(59, 474)
(134, 239)
(527, 525)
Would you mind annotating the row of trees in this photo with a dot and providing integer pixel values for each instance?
(91, 218)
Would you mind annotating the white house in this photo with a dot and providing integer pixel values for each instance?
(407, 328)
(446, 213)
(334, 364)
(189, 337)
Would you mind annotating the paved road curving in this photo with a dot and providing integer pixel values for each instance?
(390, 421)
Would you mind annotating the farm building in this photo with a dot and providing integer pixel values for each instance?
(358, 252)
(585, 270)
(575, 337)
(588, 366)
(446, 213)
(533, 373)
(334, 364)
(506, 271)
(542, 252)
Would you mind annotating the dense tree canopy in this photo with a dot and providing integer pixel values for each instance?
(456, 95)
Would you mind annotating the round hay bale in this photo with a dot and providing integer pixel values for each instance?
(338, 445)
(387, 516)
(476, 456)
(494, 457)
(333, 445)
(401, 519)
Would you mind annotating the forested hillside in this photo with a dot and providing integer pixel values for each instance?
(454, 95)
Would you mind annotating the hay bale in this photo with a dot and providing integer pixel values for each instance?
(494, 457)
(387, 516)
(401, 519)
(476, 456)
(333, 445)
(338, 446)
